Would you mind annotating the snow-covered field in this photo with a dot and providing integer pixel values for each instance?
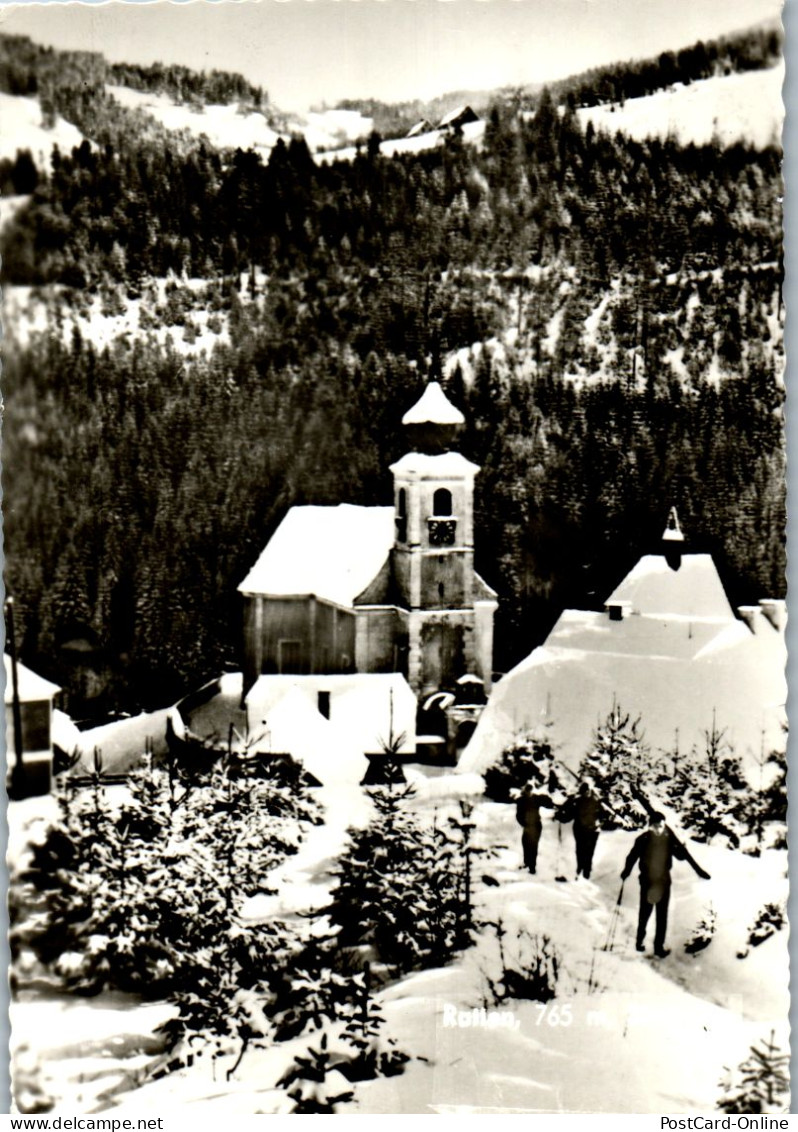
(740, 107)
(22, 128)
(225, 126)
(231, 126)
(473, 132)
(328, 129)
(629, 1033)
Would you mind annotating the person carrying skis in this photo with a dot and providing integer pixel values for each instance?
(584, 809)
(655, 850)
(527, 814)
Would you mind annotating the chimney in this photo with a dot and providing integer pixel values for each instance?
(323, 704)
(752, 615)
(618, 610)
(775, 610)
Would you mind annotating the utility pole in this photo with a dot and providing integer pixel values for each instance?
(18, 773)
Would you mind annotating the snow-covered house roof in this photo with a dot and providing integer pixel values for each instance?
(298, 729)
(676, 655)
(330, 552)
(422, 127)
(458, 117)
(433, 407)
(367, 705)
(32, 687)
(365, 710)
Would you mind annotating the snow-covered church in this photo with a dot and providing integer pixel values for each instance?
(350, 589)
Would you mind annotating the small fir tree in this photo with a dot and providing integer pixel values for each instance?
(617, 766)
(528, 759)
(710, 791)
(761, 1083)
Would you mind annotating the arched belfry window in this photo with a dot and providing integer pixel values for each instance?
(442, 502)
(440, 524)
(401, 515)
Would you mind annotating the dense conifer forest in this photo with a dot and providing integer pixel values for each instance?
(140, 485)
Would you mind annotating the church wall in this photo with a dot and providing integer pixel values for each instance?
(442, 652)
(443, 581)
(381, 641)
(483, 645)
(298, 636)
(402, 569)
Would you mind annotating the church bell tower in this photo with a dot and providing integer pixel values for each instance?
(433, 556)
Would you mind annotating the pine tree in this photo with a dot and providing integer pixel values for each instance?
(314, 1083)
(710, 791)
(761, 1084)
(528, 760)
(617, 765)
(400, 887)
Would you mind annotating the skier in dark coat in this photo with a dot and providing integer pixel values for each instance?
(584, 809)
(655, 850)
(527, 814)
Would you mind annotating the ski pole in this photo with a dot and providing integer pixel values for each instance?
(609, 943)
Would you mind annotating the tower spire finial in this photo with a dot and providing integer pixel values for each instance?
(433, 422)
(673, 541)
(672, 532)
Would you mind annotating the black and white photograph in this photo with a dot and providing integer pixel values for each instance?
(394, 532)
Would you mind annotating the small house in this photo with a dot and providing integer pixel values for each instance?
(422, 127)
(35, 741)
(457, 118)
(340, 727)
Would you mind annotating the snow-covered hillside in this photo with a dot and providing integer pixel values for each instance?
(732, 108)
(681, 309)
(330, 129)
(472, 132)
(113, 316)
(233, 127)
(10, 206)
(328, 133)
(22, 128)
(226, 127)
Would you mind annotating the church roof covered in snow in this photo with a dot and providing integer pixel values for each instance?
(330, 552)
(433, 407)
(675, 655)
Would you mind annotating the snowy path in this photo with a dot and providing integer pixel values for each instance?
(303, 882)
(638, 1035)
(644, 1035)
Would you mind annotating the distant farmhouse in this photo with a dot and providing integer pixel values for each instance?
(352, 589)
(455, 119)
(422, 127)
(461, 116)
(669, 648)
